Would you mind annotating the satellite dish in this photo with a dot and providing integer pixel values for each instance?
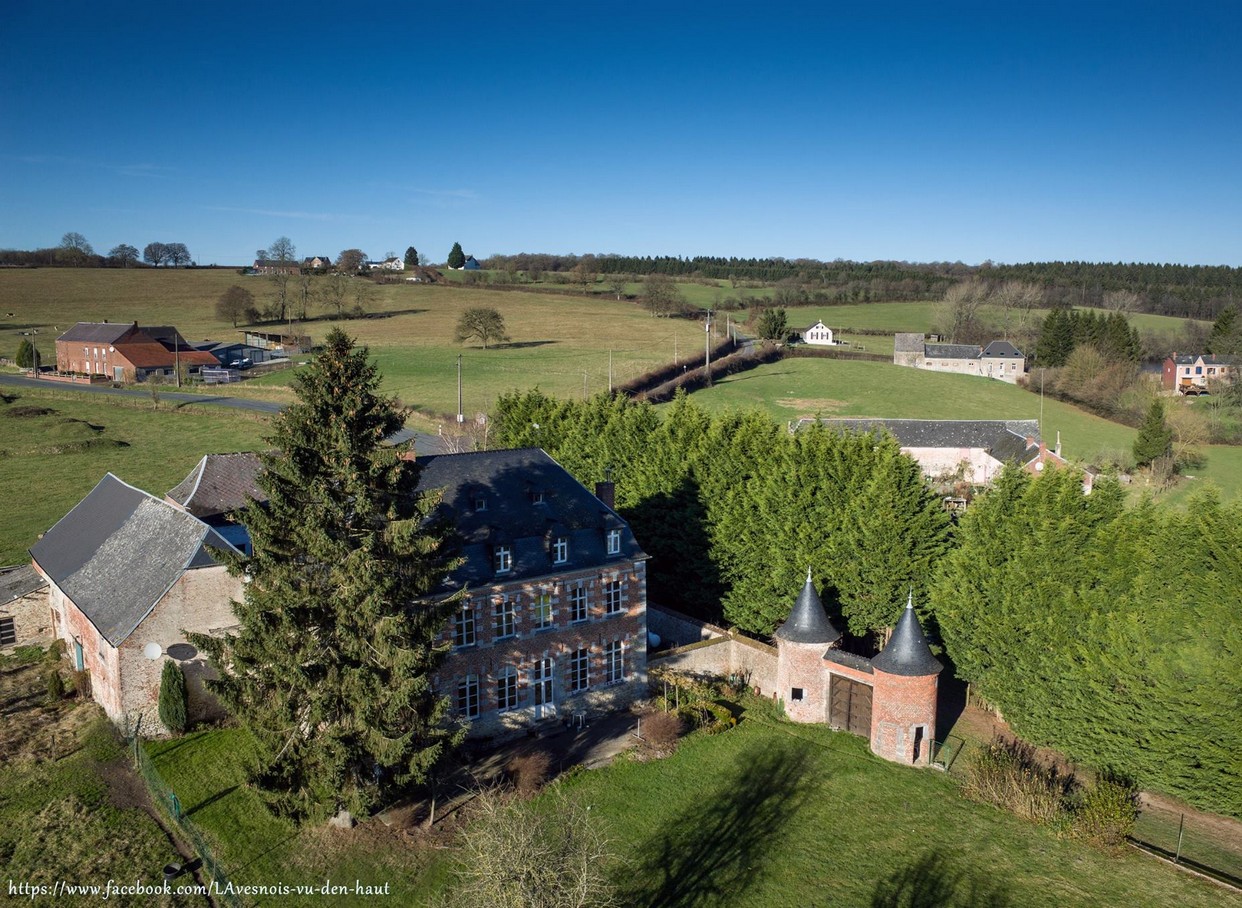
(153, 651)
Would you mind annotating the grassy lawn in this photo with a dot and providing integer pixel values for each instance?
(766, 814)
(207, 771)
(48, 462)
(808, 387)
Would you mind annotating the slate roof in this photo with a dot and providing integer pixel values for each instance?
(220, 484)
(508, 483)
(907, 652)
(990, 434)
(808, 622)
(1209, 359)
(96, 332)
(905, 342)
(119, 551)
(951, 351)
(18, 581)
(1002, 348)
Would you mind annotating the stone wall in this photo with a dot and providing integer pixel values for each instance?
(200, 602)
(32, 619)
(675, 629)
(753, 661)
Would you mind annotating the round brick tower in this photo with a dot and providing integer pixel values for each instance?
(800, 644)
(903, 709)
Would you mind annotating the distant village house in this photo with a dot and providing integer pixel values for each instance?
(818, 334)
(126, 352)
(999, 359)
(1190, 373)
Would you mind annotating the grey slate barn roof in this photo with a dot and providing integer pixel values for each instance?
(1209, 359)
(1001, 435)
(907, 652)
(220, 484)
(18, 581)
(907, 342)
(951, 351)
(1002, 348)
(510, 485)
(119, 551)
(808, 622)
(95, 332)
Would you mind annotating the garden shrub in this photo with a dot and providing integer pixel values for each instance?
(1107, 812)
(173, 704)
(529, 772)
(1007, 774)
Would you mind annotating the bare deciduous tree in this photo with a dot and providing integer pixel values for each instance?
(518, 855)
(661, 295)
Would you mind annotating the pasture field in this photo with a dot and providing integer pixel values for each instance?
(798, 387)
(50, 460)
(560, 343)
(765, 814)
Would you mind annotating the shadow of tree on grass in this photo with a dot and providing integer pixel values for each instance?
(933, 881)
(717, 849)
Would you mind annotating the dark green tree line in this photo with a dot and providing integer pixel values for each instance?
(1111, 633)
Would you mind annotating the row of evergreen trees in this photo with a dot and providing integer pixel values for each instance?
(1113, 633)
(734, 508)
(1109, 632)
(1062, 330)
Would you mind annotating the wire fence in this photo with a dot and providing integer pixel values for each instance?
(163, 795)
(1206, 844)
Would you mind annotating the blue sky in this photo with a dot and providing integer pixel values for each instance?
(923, 132)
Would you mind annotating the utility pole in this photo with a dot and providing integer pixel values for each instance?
(707, 347)
(177, 356)
(609, 371)
(34, 351)
(676, 361)
(460, 418)
(584, 386)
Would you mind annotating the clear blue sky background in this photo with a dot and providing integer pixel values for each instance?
(931, 131)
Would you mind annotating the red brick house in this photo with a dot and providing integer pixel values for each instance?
(126, 352)
(125, 571)
(554, 621)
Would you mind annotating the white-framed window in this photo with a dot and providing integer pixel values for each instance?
(614, 597)
(464, 628)
(478, 501)
(542, 609)
(614, 662)
(507, 689)
(503, 559)
(578, 604)
(505, 613)
(536, 496)
(560, 550)
(468, 697)
(614, 542)
(579, 670)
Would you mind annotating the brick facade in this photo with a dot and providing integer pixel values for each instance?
(903, 717)
(526, 650)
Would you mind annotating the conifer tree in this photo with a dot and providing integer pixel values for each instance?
(172, 701)
(1155, 438)
(1224, 338)
(456, 258)
(332, 667)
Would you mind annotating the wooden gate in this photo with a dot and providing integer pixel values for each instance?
(849, 706)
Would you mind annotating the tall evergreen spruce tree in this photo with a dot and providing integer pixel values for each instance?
(331, 670)
(456, 258)
(1155, 438)
(173, 706)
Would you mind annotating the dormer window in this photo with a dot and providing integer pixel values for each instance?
(560, 550)
(478, 501)
(536, 496)
(614, 542)
(503, 559)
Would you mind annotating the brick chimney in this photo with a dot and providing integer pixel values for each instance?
(606, 492)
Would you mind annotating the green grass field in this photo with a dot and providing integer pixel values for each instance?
(49, 462)
(765, 814)
(560, 343)
(793, 388)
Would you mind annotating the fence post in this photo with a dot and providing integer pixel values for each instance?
(1181, 826)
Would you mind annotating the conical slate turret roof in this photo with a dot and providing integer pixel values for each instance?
(907, 652)
(808, 622)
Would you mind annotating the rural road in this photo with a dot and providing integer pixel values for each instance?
(426, 444)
